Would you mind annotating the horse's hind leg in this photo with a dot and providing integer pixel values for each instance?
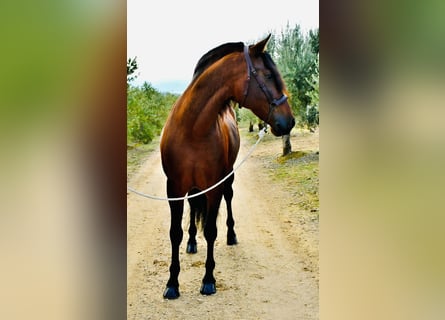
(228, 195)
(197, 209)
(192, 246)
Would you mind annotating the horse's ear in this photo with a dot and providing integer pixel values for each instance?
(258, 48)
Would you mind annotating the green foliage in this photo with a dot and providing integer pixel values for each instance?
(313, 109)
(132, 66)
(296, 57)
(312, 117)
(314, 40)
(245, 115)
(147, 110)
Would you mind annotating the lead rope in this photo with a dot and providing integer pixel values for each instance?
(260, 136)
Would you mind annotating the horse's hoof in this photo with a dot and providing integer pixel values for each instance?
(208, 289)
(192, 248)
(171, 293)
(231, 241)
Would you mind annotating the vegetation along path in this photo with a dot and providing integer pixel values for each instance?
(272, 273)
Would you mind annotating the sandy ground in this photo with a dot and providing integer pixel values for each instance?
(271, 274)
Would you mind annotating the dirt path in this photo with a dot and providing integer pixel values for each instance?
(271, 274)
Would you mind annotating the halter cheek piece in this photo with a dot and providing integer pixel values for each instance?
(273, 103)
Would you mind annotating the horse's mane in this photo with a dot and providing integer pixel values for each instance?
(221, 51)
(214, 55)
(269, 64)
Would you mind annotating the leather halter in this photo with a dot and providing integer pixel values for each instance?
(273, 103)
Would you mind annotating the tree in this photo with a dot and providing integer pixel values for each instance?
(132, 66)
(295, 56)
(314, 40)
(313, 109)
(148, 90)
(147, 108)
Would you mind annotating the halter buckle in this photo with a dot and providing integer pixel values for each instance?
(277, 102)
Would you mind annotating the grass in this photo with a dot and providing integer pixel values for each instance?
(298, 173)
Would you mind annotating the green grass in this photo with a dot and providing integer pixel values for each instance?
(298, 173)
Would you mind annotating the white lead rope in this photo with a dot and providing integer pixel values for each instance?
(260, 136)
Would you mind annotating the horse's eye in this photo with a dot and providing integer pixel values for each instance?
(268, 76)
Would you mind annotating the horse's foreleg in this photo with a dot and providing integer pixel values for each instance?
(228, 195)
(210, 233)
(176, 233)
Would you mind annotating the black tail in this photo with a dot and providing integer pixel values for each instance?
(198, 206)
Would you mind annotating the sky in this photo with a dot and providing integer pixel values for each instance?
(168, 37)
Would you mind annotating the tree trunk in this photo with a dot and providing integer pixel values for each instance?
(260, 126)
(287, 147)
(250, 126)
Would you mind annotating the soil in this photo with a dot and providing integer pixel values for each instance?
(272, 273)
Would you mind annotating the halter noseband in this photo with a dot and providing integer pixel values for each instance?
(273, 103)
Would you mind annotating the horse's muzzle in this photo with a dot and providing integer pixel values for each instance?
(282, 125)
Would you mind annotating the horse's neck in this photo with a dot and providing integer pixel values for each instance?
(207, 101)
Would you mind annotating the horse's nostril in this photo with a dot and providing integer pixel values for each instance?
(284, 125)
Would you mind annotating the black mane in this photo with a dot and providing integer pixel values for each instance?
(214, 55)
(269, 64)
(221, 51)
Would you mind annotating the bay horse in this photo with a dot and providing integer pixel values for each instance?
(200, 141)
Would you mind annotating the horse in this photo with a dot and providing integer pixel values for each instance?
(200, 142)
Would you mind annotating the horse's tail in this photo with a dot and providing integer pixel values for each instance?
(198, 207)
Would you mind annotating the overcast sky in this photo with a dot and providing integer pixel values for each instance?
(169, 36)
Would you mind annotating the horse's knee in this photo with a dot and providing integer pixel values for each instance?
(176, 235)
(210, 233)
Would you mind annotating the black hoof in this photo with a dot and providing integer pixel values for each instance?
(208, 289)
(231, 240)
(171, 293)
(192, 248)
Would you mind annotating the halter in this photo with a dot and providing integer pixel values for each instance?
(273, 103)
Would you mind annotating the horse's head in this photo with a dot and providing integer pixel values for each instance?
(264, 90)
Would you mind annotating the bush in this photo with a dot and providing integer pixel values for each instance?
(147, 110)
